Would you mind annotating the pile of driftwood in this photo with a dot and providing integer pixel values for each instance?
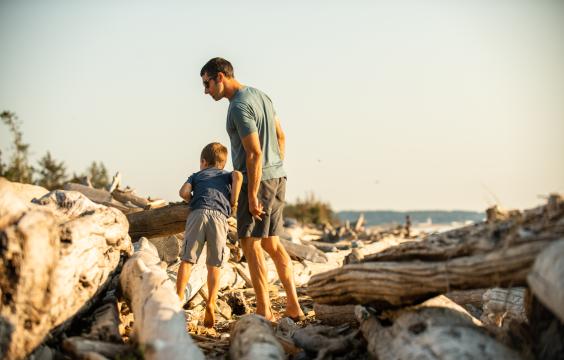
(81, 279)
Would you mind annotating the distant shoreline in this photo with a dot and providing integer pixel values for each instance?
(383, 217)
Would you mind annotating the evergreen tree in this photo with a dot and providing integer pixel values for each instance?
(52, 174)
(2, 165)
(98, 174)
(18, 169)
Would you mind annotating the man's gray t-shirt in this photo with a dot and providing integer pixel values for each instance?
(251, 110)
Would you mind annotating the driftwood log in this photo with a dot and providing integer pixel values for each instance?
(500, 305)
(537, 224)
(547, 278)
(408, 274)
(335, 314)
(304, 252)
(159, 325)
(252, 338)
(386, 284)
(438, 329)
(57, 256)
(164, 221)
(100, 196)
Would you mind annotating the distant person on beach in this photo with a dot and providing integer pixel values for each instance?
(257, 150)
(212, 194)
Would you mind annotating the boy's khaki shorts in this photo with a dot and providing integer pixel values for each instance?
(271, 195)
(205, 226)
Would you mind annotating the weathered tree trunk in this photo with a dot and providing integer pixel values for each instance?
(303, 252)
(168, 247)
(502, 254)
(160, 325)
(467, 297)
(253, 338)
(547, 278)
(385, 284)
(164, 221)
(335, 315)
(430, 331)
(56, 257)
(99, 196)
(537, 224)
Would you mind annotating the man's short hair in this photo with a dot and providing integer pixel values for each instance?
(217, 65)
(215, 155)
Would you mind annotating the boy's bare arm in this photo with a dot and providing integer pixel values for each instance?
(236, 183)
(185, 192)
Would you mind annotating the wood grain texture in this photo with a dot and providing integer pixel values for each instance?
(252, 338)
(160, 324)
(57, 256)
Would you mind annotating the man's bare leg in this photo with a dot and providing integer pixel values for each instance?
(285, 271)
(214, 274)
(259, 274)
(182, 279)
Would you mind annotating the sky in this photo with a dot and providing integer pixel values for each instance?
(400, 105)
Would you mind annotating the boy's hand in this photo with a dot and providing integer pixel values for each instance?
(231, 221)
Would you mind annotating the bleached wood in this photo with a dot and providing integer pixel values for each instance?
(125, 196)
(99, 196)
(467, 297)
(500, 305)
(26, 192)
(252, 338)
(304, 252)
(160, 325)
(386, 284)
(537, 224)
(435, 330)
(547, 278)
(57, 257)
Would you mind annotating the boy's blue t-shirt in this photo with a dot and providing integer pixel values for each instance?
(211, 190)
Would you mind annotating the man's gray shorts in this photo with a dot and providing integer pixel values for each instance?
(271, 195)
(205, 226)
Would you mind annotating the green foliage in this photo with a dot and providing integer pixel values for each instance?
(18, 169)
(52, 174)
(98, 174)
(310, 211)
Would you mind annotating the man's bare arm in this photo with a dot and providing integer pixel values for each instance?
(185, 192)
(253, 154)
(281, 138)
(236, 183)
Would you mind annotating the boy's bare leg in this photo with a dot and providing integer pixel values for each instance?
(214, 273)
(285, 271)
(259, 274)
(182, 279)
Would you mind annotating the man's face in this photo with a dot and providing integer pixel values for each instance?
(213, 86)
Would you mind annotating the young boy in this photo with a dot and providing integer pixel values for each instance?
(214, 199)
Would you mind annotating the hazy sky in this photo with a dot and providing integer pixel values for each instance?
(386, 105)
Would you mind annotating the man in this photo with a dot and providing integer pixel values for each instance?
(257, 150)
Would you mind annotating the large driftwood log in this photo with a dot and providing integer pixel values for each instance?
(434, 330)
(537, 224)
(547, 278)
(99, 196)
(25, 192)
(509, 250)
(160, 325)
(304, 252)
(386, 284)
(56, 257)
(164, 221)
(252, 338)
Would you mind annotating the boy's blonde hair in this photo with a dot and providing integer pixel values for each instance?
(215, 155)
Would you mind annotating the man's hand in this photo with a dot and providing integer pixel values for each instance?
(255, 208)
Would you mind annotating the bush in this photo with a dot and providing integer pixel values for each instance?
(310, 211)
